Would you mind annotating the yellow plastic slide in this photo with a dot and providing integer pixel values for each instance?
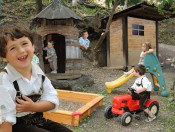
(118, 82)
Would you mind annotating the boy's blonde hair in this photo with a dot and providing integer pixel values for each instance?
(147, 45)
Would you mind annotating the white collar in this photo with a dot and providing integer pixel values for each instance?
(15, 75)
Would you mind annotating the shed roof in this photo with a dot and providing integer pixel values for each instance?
(145, 11)
(56, 10)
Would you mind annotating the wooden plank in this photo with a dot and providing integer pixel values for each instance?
(125, 40)
(73, 44)
(67, 117)
(90, 104)
(88, 109)
(73, 68)
(74, 60)
(116, 44)
(68, 31)
(77, 93)
(73, 52)
(76, 96)
(64, 117)
(59, 117)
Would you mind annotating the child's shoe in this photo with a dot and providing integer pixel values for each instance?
(126, 73)
(54, 71)
(149, 119)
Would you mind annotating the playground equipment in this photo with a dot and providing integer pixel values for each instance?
(118, 82)
(153, 67)
(126, 105)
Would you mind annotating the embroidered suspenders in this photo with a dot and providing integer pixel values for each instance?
(34, 97)
(30, 119)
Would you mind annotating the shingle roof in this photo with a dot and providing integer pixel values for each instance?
(56, 10)
(145, 11)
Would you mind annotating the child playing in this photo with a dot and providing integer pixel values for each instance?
(84, 42)
(143, 88)
(35, 58)
(27, 92)
(51, 56)
(146, 49)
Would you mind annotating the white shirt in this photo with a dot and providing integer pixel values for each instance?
(142, 56)
(145, 83)
(26, 87)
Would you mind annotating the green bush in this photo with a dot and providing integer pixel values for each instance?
(167, 31)
(2, 64)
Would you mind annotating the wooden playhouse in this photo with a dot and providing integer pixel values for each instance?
(58, 23)
(129, 29)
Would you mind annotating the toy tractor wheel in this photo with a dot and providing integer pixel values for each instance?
(154, 108)
(126, 119)
(108, 113)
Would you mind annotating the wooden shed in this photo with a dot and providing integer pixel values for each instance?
(58, 23)
(129, 29)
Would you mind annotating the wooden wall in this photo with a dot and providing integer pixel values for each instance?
(135, 41)
(73, 54)
(115, 56)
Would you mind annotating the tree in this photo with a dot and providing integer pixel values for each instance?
(124, 3)
(96, 48)
(39, 5)
(0, 7)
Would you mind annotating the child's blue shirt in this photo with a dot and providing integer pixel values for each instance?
(85, 42)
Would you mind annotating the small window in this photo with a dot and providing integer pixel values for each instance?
(141, 27)
(141, 33)
(134, 26)
(134, 32)
(137, 30)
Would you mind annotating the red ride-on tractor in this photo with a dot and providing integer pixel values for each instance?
(126, 105)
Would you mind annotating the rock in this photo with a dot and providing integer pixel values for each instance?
(83, 81)
(166, 56)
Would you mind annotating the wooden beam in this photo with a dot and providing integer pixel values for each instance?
(125, 39)
(157, 46)
(127, 13)
(108, 49)
(141, 17)
(73, 60)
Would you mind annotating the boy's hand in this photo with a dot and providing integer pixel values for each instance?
(136, 91)
(24, 105)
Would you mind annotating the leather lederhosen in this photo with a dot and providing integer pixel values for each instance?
(30, 119)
